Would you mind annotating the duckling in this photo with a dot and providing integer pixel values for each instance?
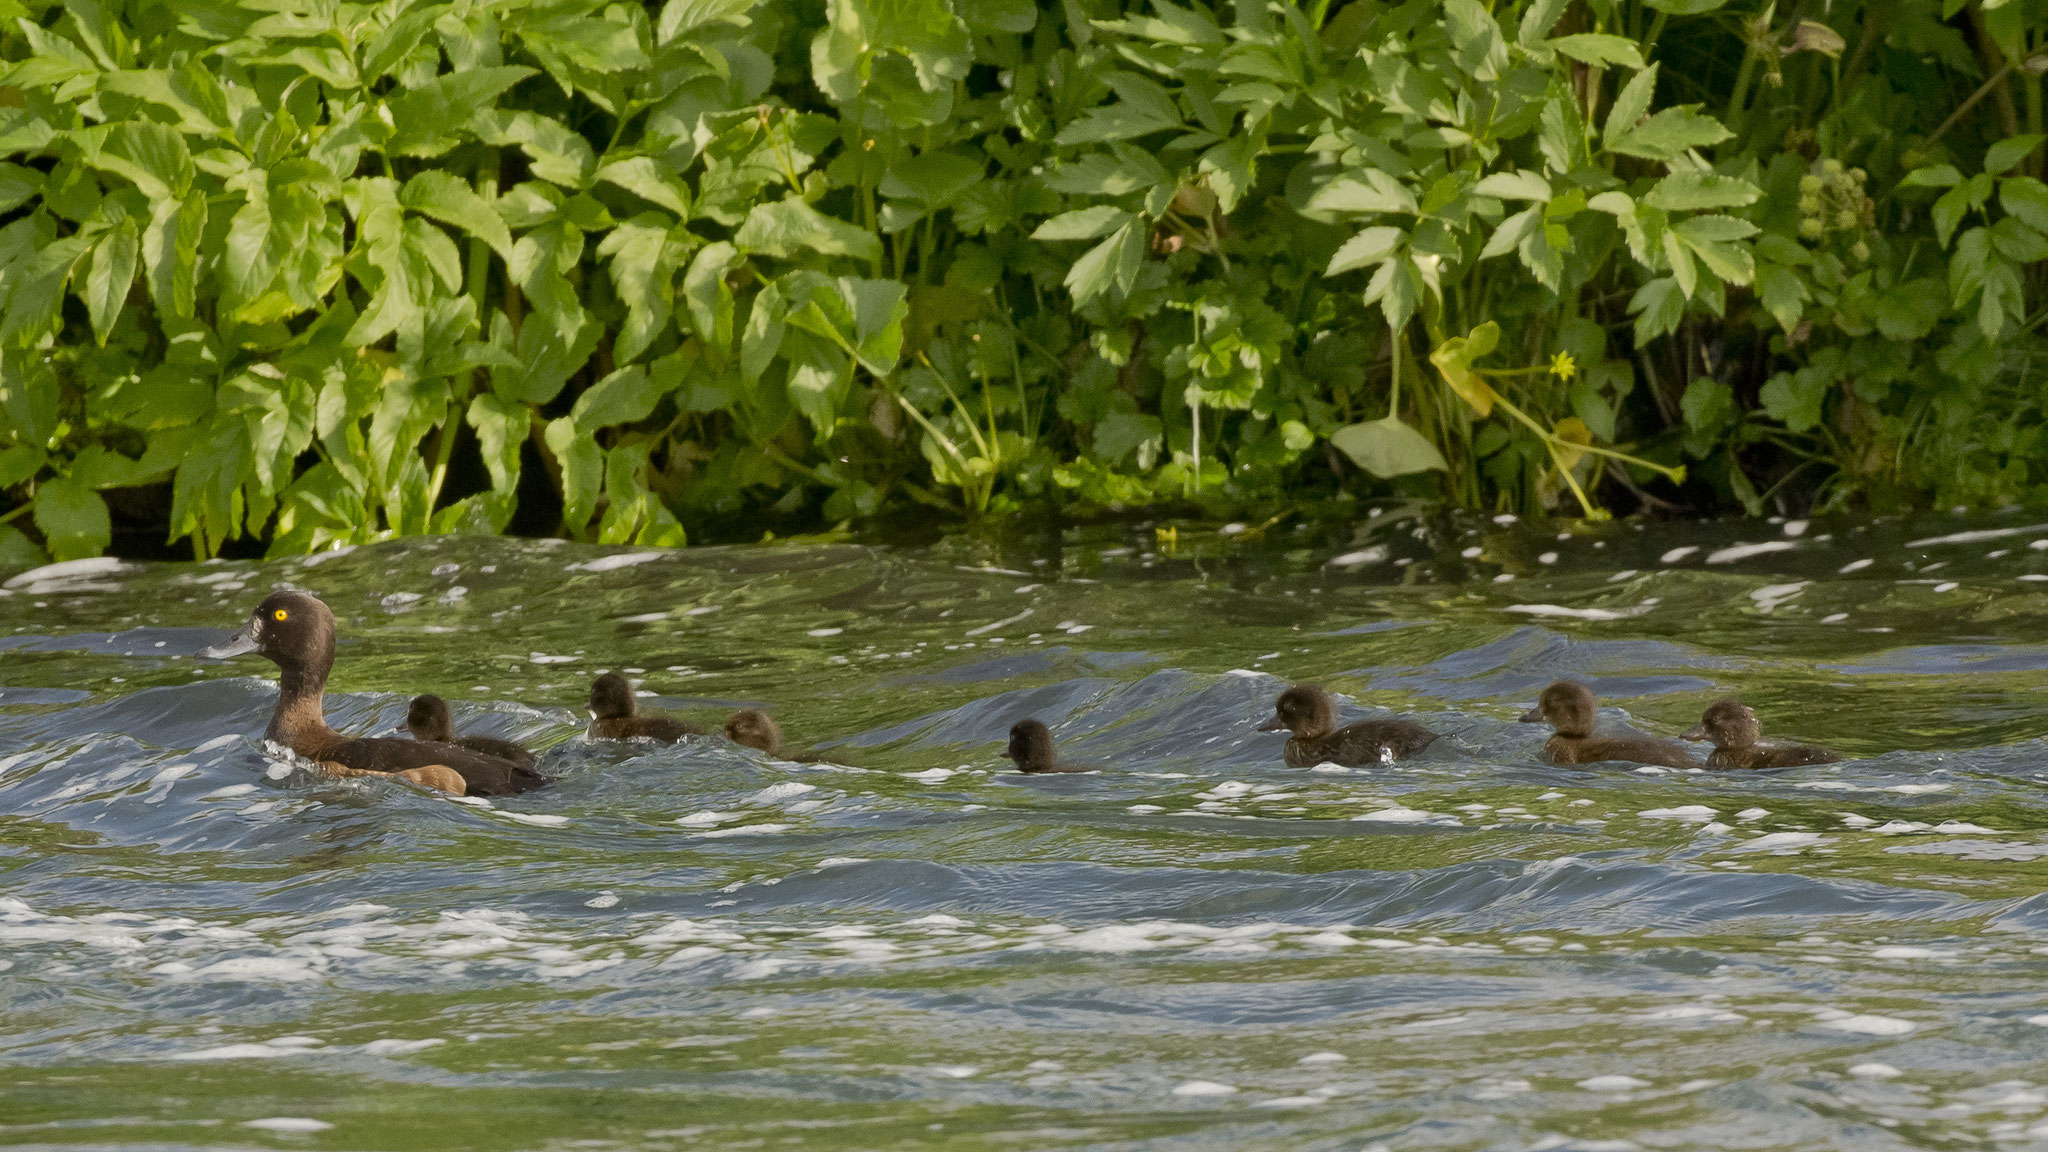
(1738, 741)
(295, 631)
(1569, 707)
(755, 729)
(1311, 715)
(1031, 750)
(615, 715)
(428, 719)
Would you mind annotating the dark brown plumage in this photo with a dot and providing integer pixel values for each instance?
(428, 719)
(615, 715)
(1032, 751)
(295, 631)
(1569, 707)
(1739, 743)
(1311, 715)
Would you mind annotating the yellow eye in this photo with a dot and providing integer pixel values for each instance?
(280, 614)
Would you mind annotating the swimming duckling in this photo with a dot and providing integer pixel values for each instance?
(1738, 741)
(1569, 707)
(615, 715)
(755, 729)
(1031, 750)
(296, 632)
(1311, 715)
(428, 719)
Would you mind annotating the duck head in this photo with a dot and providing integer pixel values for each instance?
(611, 697)
(1729, 724)
(1030, 746)
(1305, 710)
(1568, 706)
(294, 631)
(755, 729)
(428, 719)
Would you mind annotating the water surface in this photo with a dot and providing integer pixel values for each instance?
(905, 945)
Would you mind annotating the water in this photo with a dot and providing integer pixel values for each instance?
(906, 946)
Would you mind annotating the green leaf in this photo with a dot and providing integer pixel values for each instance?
(1518, 185)
(2000, 157)
(925, 32)
(1910, 311)
(1685, 7)
(1388, 448)
(153, 156)
(110, 275)
(1708, 404)
(431, 118)
(679, 17)
(623, 397)
(582, 464)
(643, 267)
(1783, 294)
(709, 298)
(170, 253)
(791, 228)
(1083, 224)
(448, 199)
(2026, 199)
(1932, 176)
(554, 151)
(1657, 306)
(1794, 398)
(1631, 104)
(1690, 191)
(1454, 360)
(36, 297)
(2018, 242)
(249, 265)
(1112, 263)
(1956, 203)
(17, 185)
(18, 552)
(1099, 173)
(1598, 49)
(1374, 191)
(1714, 240)
(501, 427)
(1368, 247)
(1669, 133)
(73, 519)
(1144, 108)
(641, 176)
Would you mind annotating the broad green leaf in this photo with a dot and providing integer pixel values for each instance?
(925, 32)
(249, 264)
(1375, 191)
(710, 299)
(1794, 398)
(1454, 359)
(1932, 176)
(643, 270)
(2026, 199)
(1657, 306)
(2018, 242)
(1537, 21)
(1112, 263)
(432, 118)
(1518, 185)
(501, 427)
(1669, 133)
(1388, 448)
(623, 397)
(1100, 173)
(1144, 108)
(1598, 49)
(2000, 157)
(73, 519)
(1911, 310)
(153, 156)
(1083, 223)
(1708, 405)
(1715, 241)
(37, 293)
(18, 552)
(641, 176)
(1783, 294)
(582, 464)
(683, 16)
(791, 228)
(450, 200)
(554, 151)
(1631, 104)
(1956, 203)
(170, 252)
(1689, 191)
(1368, 247)
(1512, 231)
(110, 275)
(17, 184)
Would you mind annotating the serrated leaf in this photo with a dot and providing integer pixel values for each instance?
(683, 16)
(641, 176)
(1690, 191)
(1630, 105)
(1375, 191)
(431, 118)
(2000, 157)
(791, 228)
(1657, 306)
(1082, 223)
(1368, 247)
(1783, 294)
(1143, 107)
(2026, 199)
(110, 275)
(501, 427)
(448, 199)
(1598, 49)
(1388, 448)
(1114, 262)
(73, 519)
(1519, 185)
(1669, 134)
(1932, 176)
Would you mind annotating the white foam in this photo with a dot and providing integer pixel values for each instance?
(544, 658)
(1780, 841)
(1144, 809)
(1875, 1070)
(613, 563)
(1698, 813)
(1677, 554)
(841, 861)
(1795, 528)
(1975, 537)
(821, 633)
(537, 819)
(1204, 1088)
(1744, 551)
(602, 900)
(1770, 597)
(1323, 1058)
(1910, 952)
(1558, 610)
(1373, 555)
(706, 819)
(66, 570)
(955, 1071)
(748, 830)
(1614, 1083)
(1867, 1025)
(401, 1047)
(1401, 816)
(777, 793)
(288, 1124)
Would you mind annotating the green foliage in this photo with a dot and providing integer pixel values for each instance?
(316, 274)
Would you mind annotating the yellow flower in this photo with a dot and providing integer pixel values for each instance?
(1563, 366)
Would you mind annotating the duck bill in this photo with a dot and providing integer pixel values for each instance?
(1273, 725)
(1696, 732)
(240, 644)
(1532, 716)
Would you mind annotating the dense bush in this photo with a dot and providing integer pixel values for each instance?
(309, 272)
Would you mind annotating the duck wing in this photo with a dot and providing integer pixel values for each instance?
(1795, 755)
(483, 775)
(1370, 741)
(1636, 751)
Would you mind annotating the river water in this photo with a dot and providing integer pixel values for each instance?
(907, 945)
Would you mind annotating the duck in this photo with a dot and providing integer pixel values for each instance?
(295, 631)
(615, 715)
(427, 719)
(1738, 740)
(1031, 750)
(1310, 714)
(753, 728)
(1568, 706)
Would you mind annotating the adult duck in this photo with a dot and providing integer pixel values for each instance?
(295, 631)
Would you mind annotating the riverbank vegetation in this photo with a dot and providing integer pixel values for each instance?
(287, 274)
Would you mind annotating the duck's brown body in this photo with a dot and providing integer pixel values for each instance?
(1310, 714)
(428, 719)
(1738, 741)
(296, 632)
(1569, 707)
(615, 715)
